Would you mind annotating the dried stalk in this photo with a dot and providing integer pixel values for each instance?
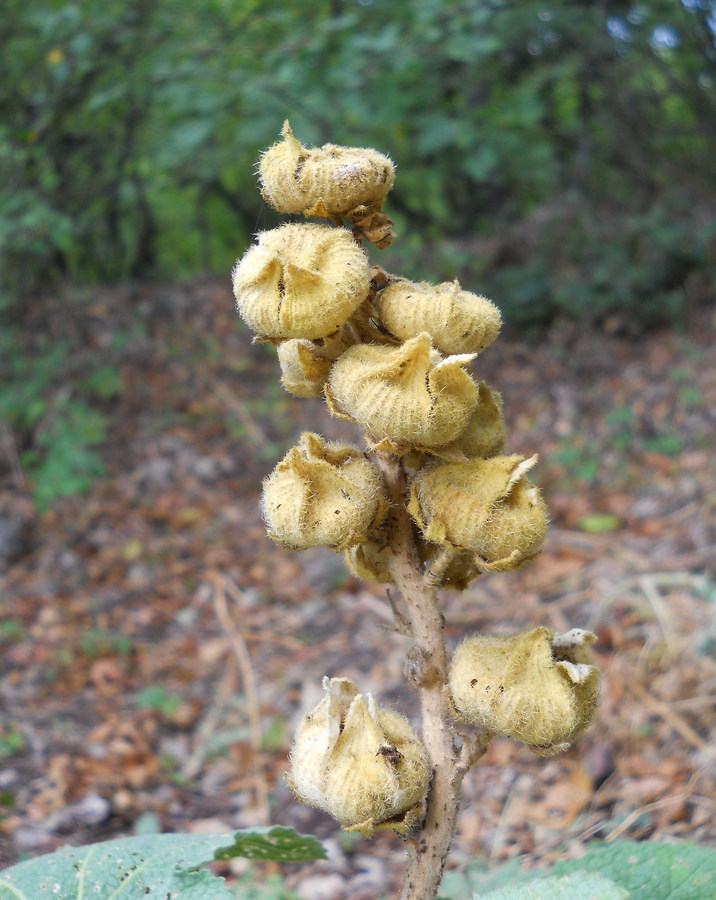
(426, 668)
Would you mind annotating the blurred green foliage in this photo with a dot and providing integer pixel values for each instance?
(560, 155)
(56, 425)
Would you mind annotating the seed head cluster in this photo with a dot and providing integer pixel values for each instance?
(393, 356)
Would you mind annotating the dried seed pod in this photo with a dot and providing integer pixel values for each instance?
(304, 367)
(322, 493)
(486, 506)
(458, 321)
(323, 181)
(360, 762)
(370, 561)
(301, 281)
(450, 569)
(539, 687)
(484, 435)
(403, 397)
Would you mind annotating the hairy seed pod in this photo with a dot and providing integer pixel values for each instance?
(539, 687)
(301, 281)
(323, 181)
(304, 368)
(484, 435)
(370, 561)
(457, 321)
(359, 762)
(403, 397)
(322, 493)
(486, 506)
(450, 569)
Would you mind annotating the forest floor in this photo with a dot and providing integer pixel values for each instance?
(146, 624)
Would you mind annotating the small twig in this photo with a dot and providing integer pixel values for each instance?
(434, 575)
(474, 747)
(255, 434)
(209, 724)
(516, 793)
(401, 622)
(223, 586)
(649, 587)
(426, 668)
(12, 454)
(635, 814)
(670, 717)
(272, 638)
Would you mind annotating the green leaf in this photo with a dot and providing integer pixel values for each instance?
(151, 867)
(277, 843)
(598, 523)
(576, 886)
(653, 871)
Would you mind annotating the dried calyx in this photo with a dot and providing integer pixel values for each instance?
(540, 688)
(322, 493)
(485, 506)
(329, 181)
(359, 762)
(458, 321)
(404, 397)
(301, 281)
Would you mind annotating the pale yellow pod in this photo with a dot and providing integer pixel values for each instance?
(525, 688)
(322, 493)
(372, 771)
(323, 181)
(304, 369)
(450, 569)
(484, 435)
(458, 321)
(404, 397)
(301, 281)
(486, 506)
(315, 740)
(370, 560)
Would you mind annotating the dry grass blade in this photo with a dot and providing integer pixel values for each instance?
(668, 715)
(223, 586)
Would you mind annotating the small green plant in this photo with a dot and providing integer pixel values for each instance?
(11, 741)
(98, 642)
(11, 630)
(156, 697)
(56, 426)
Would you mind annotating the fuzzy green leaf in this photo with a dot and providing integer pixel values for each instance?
(576, 886)
(151, 867)
(652, 871)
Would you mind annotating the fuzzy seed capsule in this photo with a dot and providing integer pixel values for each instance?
(370, 561)
(324, 181)
(322, 493)
(458, 321)
(539, 687)
(450, 569)
(405, 396)
(484, 435)
(486, 506)
(301, 281)
(304, 370)
(359, 762)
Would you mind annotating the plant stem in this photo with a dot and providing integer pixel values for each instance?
(426, 668)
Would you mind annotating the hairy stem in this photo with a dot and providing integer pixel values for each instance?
(426, 668)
